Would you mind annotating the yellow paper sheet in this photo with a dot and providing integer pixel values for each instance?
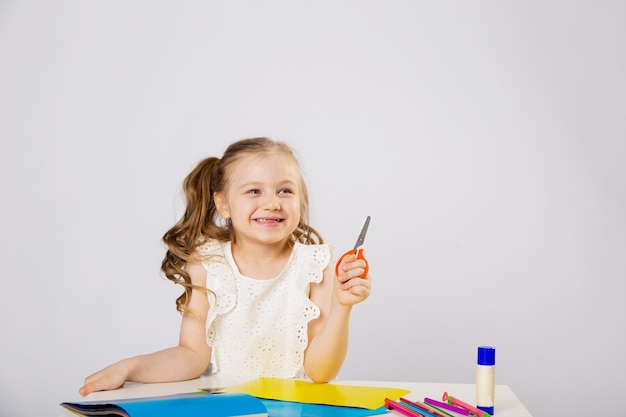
(312, 393)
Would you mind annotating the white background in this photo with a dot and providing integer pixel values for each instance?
(486, 139)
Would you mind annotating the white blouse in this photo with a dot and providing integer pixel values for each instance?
(259, 327)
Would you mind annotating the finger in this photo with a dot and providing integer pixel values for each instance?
(96, 383)
(355, 295)
(356, 282)
(360, 291)
(87, 389)
(346, 261)
(352, 270)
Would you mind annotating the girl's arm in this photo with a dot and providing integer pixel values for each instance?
(328, 334)
(186, 361)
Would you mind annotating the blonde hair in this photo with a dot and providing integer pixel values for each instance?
(201, 222)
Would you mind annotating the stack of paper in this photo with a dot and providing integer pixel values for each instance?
(273, 397)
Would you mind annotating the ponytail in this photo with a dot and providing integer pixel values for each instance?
(196, 224)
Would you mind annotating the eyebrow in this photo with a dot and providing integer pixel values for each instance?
(259, 183)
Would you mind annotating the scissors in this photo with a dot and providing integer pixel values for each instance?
(358, 249)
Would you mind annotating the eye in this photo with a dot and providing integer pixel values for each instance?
(254, 191)
(284, 191)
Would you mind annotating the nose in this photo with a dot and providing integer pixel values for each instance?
(272, 203)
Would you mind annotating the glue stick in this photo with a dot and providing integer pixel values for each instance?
(486, 379)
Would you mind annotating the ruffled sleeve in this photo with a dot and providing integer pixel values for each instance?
(220, 283)
(311, 262)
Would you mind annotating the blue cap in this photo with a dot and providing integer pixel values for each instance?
(486, 355)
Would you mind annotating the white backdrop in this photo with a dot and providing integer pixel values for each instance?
(486, 139)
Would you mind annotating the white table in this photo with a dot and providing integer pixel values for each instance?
(506, 402)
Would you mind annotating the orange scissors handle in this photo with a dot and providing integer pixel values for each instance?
(359, 255)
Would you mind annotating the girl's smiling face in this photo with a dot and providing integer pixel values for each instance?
(262, 199)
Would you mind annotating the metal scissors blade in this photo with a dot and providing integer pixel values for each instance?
(361, 239)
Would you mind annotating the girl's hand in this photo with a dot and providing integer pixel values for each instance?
(351, 288)
(111, 377)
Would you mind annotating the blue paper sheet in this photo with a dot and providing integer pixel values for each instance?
(277, 408)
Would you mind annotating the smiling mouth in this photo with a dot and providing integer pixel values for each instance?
(268, 220)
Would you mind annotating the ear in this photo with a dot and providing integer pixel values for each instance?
(221, 205)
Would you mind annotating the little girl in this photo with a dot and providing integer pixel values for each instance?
(261, 297)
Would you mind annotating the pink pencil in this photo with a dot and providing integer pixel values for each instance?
(446, 406)
(425, 407)
(402, 409)
(455, 401)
